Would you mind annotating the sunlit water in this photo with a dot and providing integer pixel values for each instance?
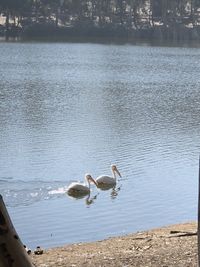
(71, 109)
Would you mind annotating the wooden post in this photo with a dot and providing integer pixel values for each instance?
(198, 231)
(12, 252)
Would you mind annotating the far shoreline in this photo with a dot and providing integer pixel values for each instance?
(104, 41)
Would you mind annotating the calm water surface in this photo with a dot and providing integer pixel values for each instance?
(71, 109)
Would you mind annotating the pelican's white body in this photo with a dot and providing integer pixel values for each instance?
(104, 179)
(78, 188)
(108, 180)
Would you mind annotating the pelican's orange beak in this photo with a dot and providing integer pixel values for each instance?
(93, 181)
(118, 172)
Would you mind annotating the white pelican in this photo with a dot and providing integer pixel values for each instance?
(77, 189)
(108, 181)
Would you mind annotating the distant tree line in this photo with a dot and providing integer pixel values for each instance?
(90, 17)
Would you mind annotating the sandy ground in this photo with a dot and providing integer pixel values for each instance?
(174, 245)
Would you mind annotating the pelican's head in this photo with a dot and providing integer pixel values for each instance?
(115, 170)
(89, 178)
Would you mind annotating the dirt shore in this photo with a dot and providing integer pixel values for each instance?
(169, 246)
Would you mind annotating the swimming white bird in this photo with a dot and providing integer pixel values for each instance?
(105, 180)
(77, 188)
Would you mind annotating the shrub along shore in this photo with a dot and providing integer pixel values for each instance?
(171, 246)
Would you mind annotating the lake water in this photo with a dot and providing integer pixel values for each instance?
(69, 109)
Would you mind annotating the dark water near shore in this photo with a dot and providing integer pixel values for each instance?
(71, 109)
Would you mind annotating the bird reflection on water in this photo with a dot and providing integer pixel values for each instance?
(87, 196)
(115, 192)
(89, 199)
